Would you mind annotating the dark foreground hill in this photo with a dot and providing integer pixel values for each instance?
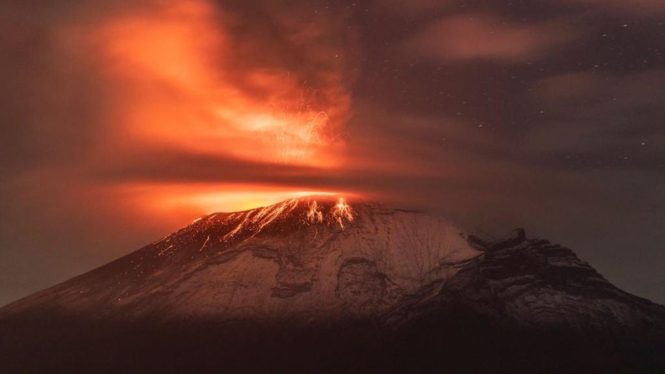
(315, 285)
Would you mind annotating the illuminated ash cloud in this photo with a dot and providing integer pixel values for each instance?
(253, 82)
(182, 107)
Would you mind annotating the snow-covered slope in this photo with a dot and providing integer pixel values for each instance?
(313, 257)
(318, 284)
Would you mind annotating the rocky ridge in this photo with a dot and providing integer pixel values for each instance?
(536, 284)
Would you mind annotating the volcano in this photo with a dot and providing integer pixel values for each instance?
(320, 285)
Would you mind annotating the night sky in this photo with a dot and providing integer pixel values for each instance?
(123, 121)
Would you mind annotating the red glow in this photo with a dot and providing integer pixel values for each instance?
(181, 95)
(179, 85)
(190, 201)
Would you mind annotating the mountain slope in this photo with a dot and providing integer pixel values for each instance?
(535, 284)
(316, 284)
(299, 256)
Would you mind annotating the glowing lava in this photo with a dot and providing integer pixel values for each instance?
(249, 223)
(314, 214)
(342, 212)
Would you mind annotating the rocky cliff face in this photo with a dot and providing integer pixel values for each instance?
(356, 286)
(533, 284)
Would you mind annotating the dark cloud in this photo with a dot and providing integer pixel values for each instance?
(602, 120)
(645, 8)
(484, 36)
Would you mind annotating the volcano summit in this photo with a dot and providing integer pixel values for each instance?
(317, 284)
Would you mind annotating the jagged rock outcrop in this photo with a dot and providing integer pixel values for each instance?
(534, 284)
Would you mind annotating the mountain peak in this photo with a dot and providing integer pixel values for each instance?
(326, 262)
(310, 210)
(318, 212)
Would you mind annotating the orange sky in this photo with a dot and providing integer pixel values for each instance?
(179, 82)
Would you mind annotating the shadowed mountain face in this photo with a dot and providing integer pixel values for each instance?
(315, 284)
